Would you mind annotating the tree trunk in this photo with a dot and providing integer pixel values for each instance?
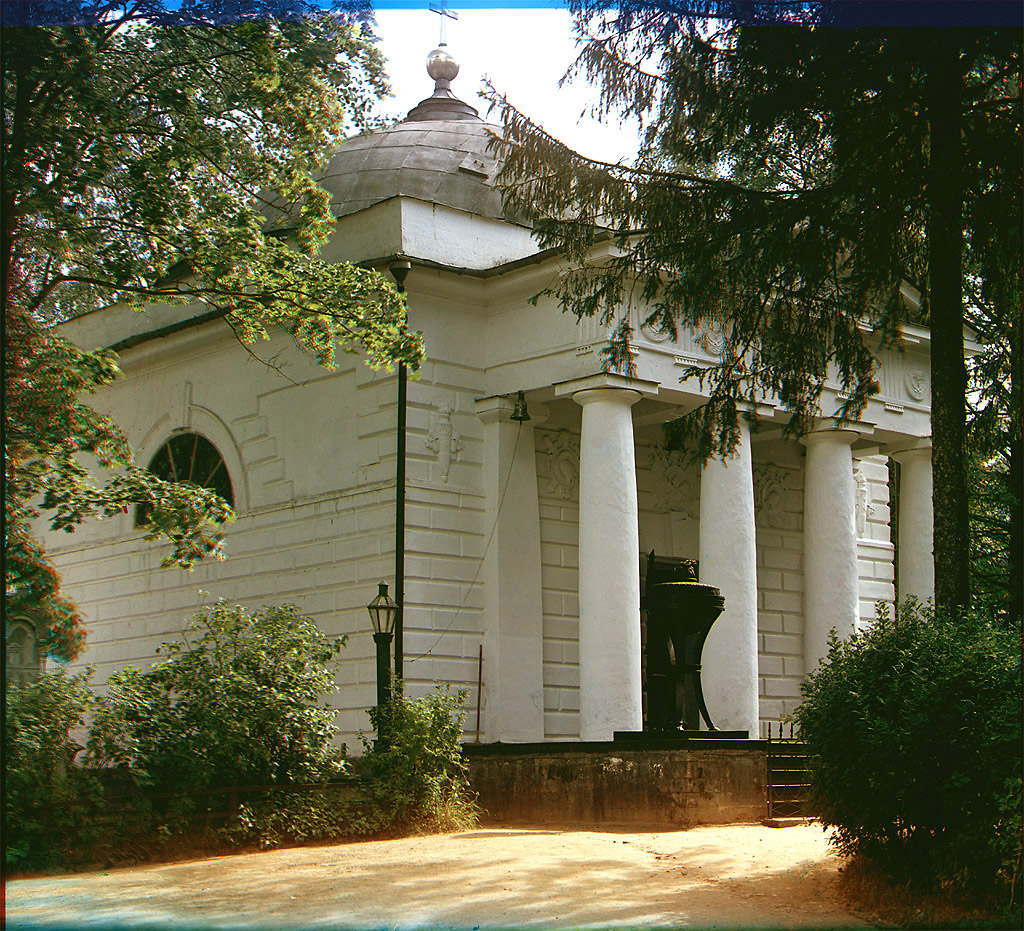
(1015, 471)
(948, 368)
(13, 145)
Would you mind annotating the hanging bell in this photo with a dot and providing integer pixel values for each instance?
(519, 412)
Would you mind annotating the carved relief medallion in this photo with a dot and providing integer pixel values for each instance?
(916, 381)
(654, 332)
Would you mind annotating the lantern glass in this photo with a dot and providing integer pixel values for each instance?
(383, 610)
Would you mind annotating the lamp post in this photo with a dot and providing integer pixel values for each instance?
(399, 269)
(383, 610)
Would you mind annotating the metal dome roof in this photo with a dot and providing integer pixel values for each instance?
(438, 154)
(440, 161)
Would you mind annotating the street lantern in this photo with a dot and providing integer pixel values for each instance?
(383, 610)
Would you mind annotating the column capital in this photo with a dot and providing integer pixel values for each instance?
(848, 433)
(621, 396)
(499, 407)
(605, 380)
(912, 451)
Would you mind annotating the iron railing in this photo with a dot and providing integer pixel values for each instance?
(788, 778)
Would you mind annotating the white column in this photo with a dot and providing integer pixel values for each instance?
(831, 578)
(513, 672)
(609, 556)
(728, 561)
(916, 560)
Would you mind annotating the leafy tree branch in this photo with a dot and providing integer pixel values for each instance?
(159, 152)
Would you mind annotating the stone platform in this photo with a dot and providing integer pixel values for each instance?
(677, 782)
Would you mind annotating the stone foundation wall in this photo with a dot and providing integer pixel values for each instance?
(588, 784)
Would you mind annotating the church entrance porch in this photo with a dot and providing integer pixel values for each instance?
(563, 573)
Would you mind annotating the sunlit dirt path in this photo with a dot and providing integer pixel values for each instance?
(731, 876)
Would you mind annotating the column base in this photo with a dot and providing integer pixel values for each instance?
(635, 736)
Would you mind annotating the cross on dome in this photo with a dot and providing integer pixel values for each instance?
(443, 13)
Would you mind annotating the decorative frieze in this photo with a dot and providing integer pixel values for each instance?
(558, 463)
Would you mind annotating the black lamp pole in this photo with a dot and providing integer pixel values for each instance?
(383, 641)
(399, 269)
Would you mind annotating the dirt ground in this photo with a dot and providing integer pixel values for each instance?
(727, 876)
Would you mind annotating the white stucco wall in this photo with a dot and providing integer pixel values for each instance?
(311, 455)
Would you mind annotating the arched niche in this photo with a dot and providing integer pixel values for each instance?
(21, 650)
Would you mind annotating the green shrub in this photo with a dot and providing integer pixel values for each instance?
(914, 734)
(415, 778)
(337, 811)
(236, 702)
(49, 803)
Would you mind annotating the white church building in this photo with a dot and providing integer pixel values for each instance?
(526, 542)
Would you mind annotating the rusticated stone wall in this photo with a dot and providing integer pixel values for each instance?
(586, 784)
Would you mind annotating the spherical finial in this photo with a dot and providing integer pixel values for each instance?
(441, 66)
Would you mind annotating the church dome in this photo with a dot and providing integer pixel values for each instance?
(438, 161)
(440, 153)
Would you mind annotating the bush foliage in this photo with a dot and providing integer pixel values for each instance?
(45, 796)
(416, 775)
(237, 701)
(914, 733)
(413, 781)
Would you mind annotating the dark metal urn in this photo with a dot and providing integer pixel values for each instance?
(679, 618)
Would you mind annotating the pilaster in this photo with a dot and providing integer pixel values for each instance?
(916, 559)
(513, 615)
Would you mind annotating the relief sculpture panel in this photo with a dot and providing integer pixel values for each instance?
(558, 463)
(770, 485)
(675, 483)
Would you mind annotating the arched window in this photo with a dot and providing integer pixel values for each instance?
(189, 457)
(22, 656)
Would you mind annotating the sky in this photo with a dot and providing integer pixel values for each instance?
(523, 50)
